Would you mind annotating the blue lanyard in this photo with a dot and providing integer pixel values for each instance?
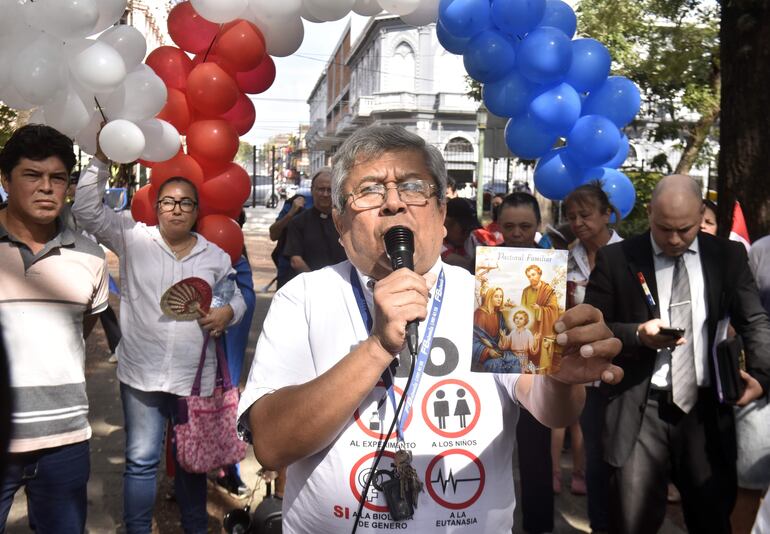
(422, 356)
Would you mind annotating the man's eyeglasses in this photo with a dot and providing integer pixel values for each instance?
(167, 204)
(411, 193)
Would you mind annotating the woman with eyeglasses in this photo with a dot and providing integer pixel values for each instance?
(157, 356)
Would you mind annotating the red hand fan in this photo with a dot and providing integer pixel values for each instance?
(186, 300)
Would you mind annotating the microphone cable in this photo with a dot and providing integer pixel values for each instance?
(381, 450)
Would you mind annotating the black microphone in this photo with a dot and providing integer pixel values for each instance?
(399, 244)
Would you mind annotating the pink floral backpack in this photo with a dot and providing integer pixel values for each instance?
(204, 430)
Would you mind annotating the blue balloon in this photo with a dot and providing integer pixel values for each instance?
(617, 98)
(489, 56)
(466, 18)
(558, 108)
(559, 15)
(527, 138)
(517, 17)
(451, 43)
(620, 155)
(620, 190)
(509, 96)
(590, 65)
(554, 176)
(545, 55)
(594, 140)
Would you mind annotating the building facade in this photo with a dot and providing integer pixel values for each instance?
(395, 74)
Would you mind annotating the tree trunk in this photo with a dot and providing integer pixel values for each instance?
(744, 163)
(701, 129)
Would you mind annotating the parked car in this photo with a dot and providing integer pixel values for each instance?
(263, 193)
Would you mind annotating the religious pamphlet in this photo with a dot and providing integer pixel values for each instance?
(519, 295)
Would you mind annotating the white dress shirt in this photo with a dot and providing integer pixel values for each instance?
(156, 353)
(664, 276)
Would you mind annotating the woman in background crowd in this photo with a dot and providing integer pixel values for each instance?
(157, 356)
(588, 211)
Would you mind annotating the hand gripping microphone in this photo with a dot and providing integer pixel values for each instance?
(399, 244)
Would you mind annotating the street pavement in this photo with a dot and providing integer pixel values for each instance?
(108, 441)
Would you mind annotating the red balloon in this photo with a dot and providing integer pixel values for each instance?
(223, 232)
(176, 111)
(228, 67)
(189, 30)
(211, 89)
(257, 80)
(241, 44)
(172, 66)
(212, 140)
(212, 167)
(241, 115)
(143, 205)
(180, 165)
(204, 210)
(228, 190)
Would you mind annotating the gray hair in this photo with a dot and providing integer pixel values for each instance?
(371, 142)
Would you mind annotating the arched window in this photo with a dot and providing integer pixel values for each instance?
(458, 144)
(402, 70)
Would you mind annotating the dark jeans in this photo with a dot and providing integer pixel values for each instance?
(55, 481)
(533, 441)
(597, 471)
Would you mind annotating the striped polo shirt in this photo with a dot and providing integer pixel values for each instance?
(43, 298)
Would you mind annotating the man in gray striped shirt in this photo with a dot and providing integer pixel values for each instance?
(53, 282)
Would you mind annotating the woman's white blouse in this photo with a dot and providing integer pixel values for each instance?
(156, 353)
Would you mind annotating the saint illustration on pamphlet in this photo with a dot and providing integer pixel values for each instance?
(520, 293)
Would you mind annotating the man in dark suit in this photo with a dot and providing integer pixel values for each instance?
(663, 420)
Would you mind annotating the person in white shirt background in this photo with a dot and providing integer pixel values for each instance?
(157, 356)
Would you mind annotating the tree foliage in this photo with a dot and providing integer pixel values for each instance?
(670, 48)
(7, 123)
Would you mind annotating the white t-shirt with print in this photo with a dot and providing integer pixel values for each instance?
(461, 429)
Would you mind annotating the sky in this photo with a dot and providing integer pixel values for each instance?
(283, 107)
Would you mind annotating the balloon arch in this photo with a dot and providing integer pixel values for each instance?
(563, 107)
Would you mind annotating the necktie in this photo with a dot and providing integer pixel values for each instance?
(685, 389)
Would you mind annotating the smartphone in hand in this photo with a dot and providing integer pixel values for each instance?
(675, 333)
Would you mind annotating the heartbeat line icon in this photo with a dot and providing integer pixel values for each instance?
(450, 480)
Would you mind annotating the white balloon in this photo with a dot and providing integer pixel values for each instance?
(68, 113)
(122, 141)
(36, 117)
(10, 97)
(161, 140)
(86, 138)
(273, 8)
(98, 66)
(305, 14)
(36, 70)
(142, 95)
(399, 7)
(128, 42)
(220, 11)
(12, 13)
(63, 18)
(367, 8)
(6, 60)
(423, 15)
(110, 12)
(283, 37)
(329, 10)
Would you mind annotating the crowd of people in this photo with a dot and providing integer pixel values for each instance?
(336, 400)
